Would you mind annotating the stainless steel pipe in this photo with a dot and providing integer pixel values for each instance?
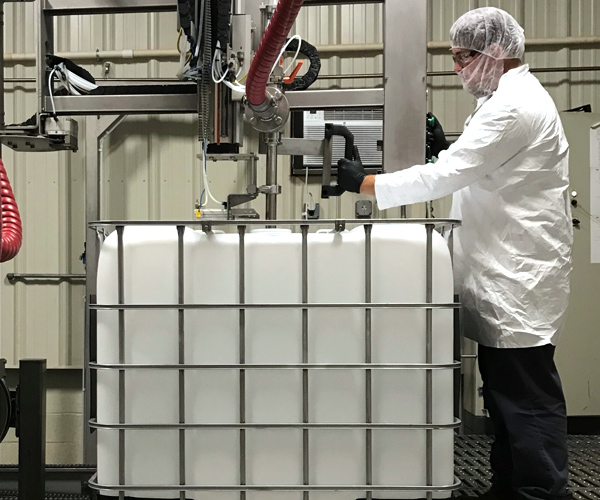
(272, 142)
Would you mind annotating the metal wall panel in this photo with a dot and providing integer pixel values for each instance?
(151, 170)
(541, 19)
(37, 319)
(584, 20)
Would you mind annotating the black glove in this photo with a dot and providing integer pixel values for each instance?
(351, 173)
(436, 140)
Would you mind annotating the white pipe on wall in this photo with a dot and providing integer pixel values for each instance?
(324, 50)
(537, 43)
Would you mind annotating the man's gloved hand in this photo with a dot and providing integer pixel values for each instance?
(351, 174)
(436, 139)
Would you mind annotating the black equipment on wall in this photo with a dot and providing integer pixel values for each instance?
(24, 408)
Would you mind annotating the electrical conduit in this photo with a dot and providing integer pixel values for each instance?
(10, 220)
(268, 51)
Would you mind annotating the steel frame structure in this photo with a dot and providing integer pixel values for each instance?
(403, 99)
(305, 306)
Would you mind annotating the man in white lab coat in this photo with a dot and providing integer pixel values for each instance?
(509, 175)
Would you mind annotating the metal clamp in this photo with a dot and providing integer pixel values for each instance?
(207, 227)
(340, 226)
(269, 189)
(270, 116)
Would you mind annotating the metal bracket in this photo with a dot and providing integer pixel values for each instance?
(40, 143)
(233, 200)
(102, 233)
(302, 147)
(230, 157)
(207, 227)
(54, 134)
(364, 209)
(243, 213)
(340, 226)
(269, 189)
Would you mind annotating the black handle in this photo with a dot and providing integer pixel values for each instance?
(332, 129)
(350, 152)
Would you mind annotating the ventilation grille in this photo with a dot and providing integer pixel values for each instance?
(365, 125)
(353, 114)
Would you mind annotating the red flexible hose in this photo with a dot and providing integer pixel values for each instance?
(268, 51)
(12, 232)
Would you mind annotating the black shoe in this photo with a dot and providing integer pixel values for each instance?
(497, 494)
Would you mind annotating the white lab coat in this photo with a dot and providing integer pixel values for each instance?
(509, 175)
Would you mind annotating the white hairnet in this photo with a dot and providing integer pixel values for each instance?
(496, 36)
(490, 31)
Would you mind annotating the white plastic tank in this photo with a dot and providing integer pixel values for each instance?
(273, 274)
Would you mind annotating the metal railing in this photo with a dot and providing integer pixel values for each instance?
(305, 366)
(43, 277)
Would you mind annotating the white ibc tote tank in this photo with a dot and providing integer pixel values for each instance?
(273, 275)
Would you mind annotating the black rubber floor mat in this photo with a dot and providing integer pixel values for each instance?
(472, 466)
(13, 495)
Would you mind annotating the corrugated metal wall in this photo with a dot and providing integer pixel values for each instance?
(151, 170)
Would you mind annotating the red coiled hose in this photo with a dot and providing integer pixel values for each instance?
(12, 232)
(275, 36)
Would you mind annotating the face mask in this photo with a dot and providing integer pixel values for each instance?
(482, 76)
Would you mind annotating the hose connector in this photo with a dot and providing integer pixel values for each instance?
(271, 115)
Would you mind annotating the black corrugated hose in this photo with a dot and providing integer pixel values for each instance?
(305, 81)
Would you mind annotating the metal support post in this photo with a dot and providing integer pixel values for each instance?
(32, 429)
(368, 360)
(45, 45)
(96, 130)
(305, 415)
(181, 300)
(272, 141)
(121, 299)
(405, 84)
(239, 6)
(2, 114)
(242, 355)
(458, 386)
(429, 356)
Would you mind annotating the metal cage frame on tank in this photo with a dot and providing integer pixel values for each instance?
(242, 306)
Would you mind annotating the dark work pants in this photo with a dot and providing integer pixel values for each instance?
(523, 395)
